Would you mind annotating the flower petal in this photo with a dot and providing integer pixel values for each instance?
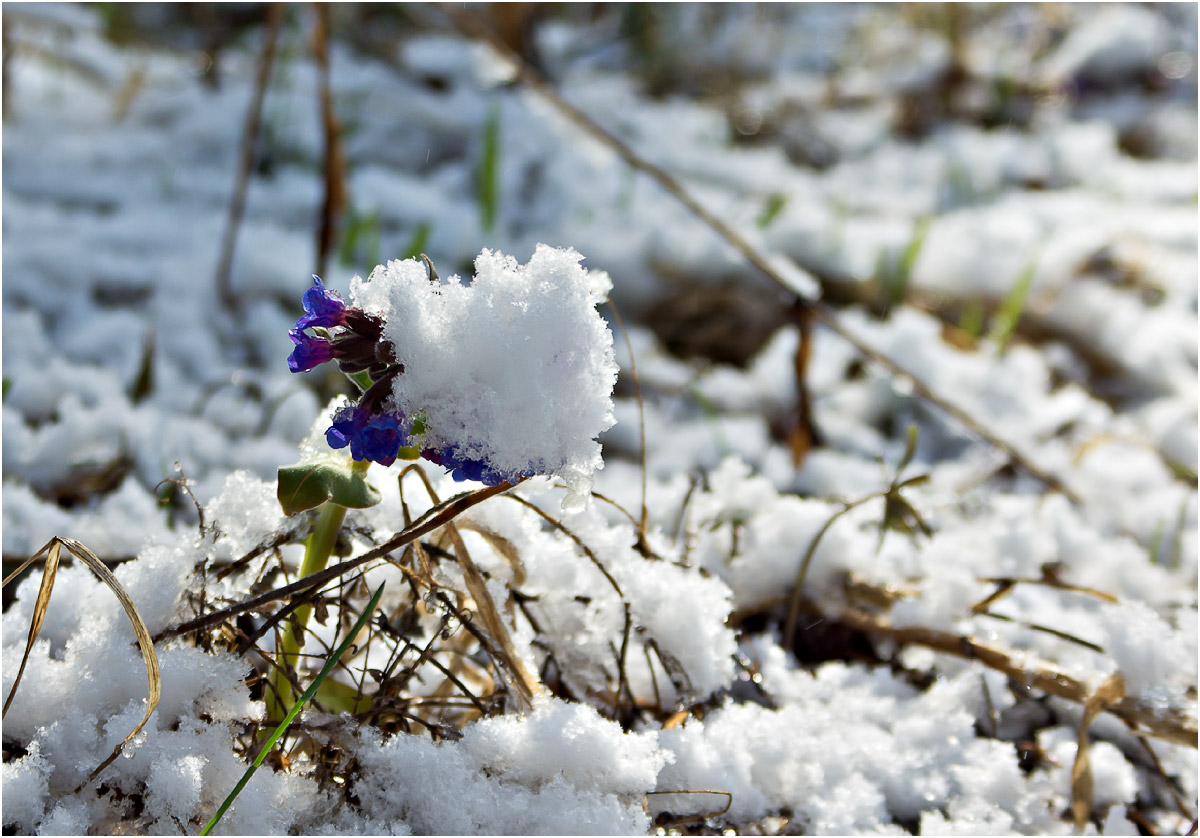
(310, 351)
(324, 308)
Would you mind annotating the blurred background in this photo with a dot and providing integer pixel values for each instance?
(1008, 175)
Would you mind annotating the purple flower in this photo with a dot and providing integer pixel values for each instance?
(346, 334)
(310, 351)
(469, 468)
(380, 440)
(375, 437)
(348, 423)
(324, 308)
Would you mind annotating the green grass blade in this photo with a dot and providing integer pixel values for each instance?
(489, 164)
(1156, 540)
(1175, 559)
(894, 277)
(714, 418)
(1004, 323)
(143, 385)
(295, 711)
(350, 233)
(373, 248)
(771, 209)
(971, 320)
(417, 245)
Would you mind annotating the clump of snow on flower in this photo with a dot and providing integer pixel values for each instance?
(514, 367)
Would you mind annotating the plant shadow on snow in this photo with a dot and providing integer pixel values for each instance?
(896, 525)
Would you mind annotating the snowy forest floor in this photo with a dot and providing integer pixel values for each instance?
(896, 529)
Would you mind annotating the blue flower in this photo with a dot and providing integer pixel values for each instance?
(310, 351)
(469, 468)
(348, 423)
(375, 437)
(380, 440)
(324, 308)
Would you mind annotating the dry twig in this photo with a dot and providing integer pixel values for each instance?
(237, 202)
(334, 203)
(1172, 724)
(526, 685)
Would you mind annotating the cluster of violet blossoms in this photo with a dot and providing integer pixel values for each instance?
(354, 339)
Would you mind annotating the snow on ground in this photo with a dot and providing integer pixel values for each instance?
(920, 162)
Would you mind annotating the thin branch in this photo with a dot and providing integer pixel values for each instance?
(587, 551)
(335, 157)
(1171, 724)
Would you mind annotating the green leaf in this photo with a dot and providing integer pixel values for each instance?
(308, 485)
(7, 386)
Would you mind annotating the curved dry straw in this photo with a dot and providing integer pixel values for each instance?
(53, 550)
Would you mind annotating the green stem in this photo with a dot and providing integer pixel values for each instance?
(317, 551)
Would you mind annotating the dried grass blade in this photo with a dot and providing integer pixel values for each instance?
(427, 523)
(503, 547)
(39, 607)
(699, 816)
(527, 686)
(802, 433)
(1106, 695)
(145, 644)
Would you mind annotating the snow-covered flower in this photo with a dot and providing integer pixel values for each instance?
(463, 467)
(370, 427)
(497, 379)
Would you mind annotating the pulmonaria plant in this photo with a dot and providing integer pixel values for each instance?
(374, 430)
(496, 379)
(351, 337)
